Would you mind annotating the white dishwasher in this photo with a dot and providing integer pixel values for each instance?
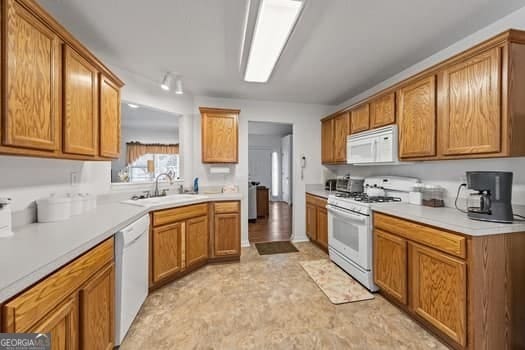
(131, 274)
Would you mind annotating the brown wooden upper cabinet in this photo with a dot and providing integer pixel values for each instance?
(80, 121)
(383, 110)
(32, 81)
(341, 131)
(333, 138)
(327, 139)
(417, 118)
(220, 135)
(51, 93)
(468, 106)
(360, 119)
(109, 118)
(471, 107)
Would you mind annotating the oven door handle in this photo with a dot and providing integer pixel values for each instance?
(347, 214)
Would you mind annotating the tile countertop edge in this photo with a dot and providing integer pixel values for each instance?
(18, 285)
(456, 221)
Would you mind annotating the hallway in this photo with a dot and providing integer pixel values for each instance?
(277, 227)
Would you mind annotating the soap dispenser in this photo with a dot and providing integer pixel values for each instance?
(196, 185)
(5, 217)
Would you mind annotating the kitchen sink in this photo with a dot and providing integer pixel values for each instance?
(170, 199)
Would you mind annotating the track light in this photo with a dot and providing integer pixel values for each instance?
(178, 86)
(166, 82)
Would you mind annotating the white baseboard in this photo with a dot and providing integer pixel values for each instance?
(300, 238)
(245, 244)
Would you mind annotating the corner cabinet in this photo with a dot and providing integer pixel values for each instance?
(75, 303)
(51, 91)
(183, 239)
(219, 135)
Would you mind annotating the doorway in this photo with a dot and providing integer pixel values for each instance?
(270, 181)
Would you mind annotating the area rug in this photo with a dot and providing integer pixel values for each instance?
(275, 248)
(339, 287)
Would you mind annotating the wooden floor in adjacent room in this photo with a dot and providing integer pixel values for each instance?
(277, 227)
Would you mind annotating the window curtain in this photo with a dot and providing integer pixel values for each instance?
(135, 150)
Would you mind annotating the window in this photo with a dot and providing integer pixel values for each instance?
(275, 174)
(160, 163)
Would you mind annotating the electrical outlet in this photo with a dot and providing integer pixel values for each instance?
(74, 178)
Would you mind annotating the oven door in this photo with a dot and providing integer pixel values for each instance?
(349, 233)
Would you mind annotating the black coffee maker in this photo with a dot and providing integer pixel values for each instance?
(493, 196)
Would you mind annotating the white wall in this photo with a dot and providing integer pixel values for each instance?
(306, 130)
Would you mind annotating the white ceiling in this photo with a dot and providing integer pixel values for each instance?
(147, 118)
(268, 128)
(339, 48)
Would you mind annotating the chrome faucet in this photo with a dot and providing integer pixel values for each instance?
(169, 175)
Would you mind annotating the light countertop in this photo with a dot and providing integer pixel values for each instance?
(447, 218)
(318, 190)
(38, 249)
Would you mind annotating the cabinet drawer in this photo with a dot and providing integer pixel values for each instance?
(23, 311)
(226, 207)
(314, 200)
(447, 242)
(163, 217)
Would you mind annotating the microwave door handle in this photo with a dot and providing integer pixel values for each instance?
(347, 214)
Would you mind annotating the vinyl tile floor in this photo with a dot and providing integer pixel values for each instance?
(267, 302)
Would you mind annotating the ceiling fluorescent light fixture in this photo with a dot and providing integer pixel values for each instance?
(132, 105)
(275, 22)
(166, 82)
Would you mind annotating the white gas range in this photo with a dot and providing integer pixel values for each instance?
(350, 223)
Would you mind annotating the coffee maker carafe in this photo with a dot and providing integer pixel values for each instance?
(492, 199)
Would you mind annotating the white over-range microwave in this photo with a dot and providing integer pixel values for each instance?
(377, 146)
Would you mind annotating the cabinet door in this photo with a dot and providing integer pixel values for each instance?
(80, 124)
(166, 251)
(227, 235)
(97, 311)
(62, 323)
(390, 264)
(220, 135)
(327, 141)
(311, 221)
(196, 241)
(471, 114)
(341, 131)
(417, 119)
(322, 227)
(439, 290)
(32, 82)
(360, 119)
(383, 111)
(109, 118)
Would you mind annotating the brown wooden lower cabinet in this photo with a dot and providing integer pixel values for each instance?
(185, 238)
(97, 310)
(62, 323)
(317, 220)
(390, 264)
(457, 286)
(75, 303)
